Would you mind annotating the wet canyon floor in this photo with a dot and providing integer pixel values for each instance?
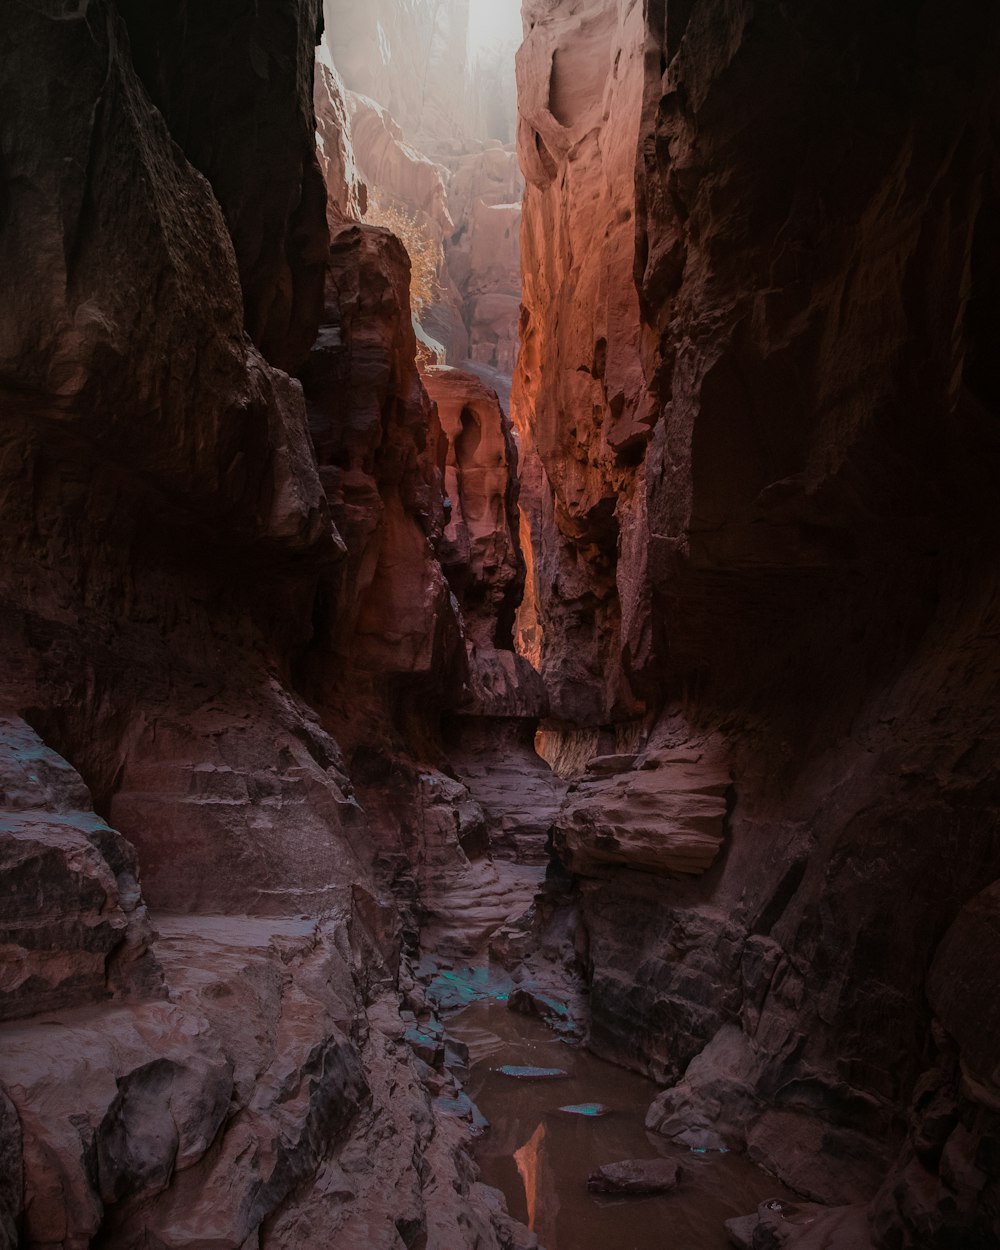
(540, 1156)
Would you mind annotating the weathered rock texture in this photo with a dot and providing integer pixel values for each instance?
(388, 615)
(483, 252)
(75, 927)
(481, 553)
(250, 132)
(431, 142)
(183, 626)
(757, 399)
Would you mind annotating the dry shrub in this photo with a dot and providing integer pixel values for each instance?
(425, 252)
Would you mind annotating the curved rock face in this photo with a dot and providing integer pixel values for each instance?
(757, 402)
(758, 422)
(481, 553)
(580, 391)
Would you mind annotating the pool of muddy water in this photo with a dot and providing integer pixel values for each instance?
(540, 1157)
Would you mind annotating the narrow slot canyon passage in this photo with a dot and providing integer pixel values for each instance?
(499, 610)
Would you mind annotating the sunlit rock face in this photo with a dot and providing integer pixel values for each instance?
(430, 138)
(414, 59)
(346, 192)
(580, 392)
(483, 252)
(481, 553)
(757, 397)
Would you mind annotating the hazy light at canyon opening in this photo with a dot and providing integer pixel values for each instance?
(493, 23)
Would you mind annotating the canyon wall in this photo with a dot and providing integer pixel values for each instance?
(757, 399)
(430, 129)
(220, 590)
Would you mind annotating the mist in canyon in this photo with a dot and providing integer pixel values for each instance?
(500, 621)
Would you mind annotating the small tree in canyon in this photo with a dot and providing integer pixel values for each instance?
(425, 252)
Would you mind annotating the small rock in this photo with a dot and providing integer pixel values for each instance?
(635, 1176)
(740, 1231)
(456, 1057)
(462, 1106)
(425, 1046)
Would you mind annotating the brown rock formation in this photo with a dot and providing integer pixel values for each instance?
(377, 441)
(483, 252)
(250, 132)
(756, 401)
(482, 554)
(75, 928)
(173, 586)
(660, 812)
(347, 195)
(757, 405)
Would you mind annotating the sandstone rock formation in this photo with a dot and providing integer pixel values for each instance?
(177, 608)
(659, 812)
(75, 927)
(250, 132)
(481, 485)
(267, 717)
(428, 142)
(756, 399)
(483, 252)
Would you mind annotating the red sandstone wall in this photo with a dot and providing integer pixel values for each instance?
(757, 400)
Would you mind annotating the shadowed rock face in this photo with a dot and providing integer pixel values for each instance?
(481, 553)
(177, 603)
(249, 130)
(758, 425)
(75, 927)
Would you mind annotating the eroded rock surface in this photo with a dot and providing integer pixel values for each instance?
(177, 608)
(74, 926)
(757, 408)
